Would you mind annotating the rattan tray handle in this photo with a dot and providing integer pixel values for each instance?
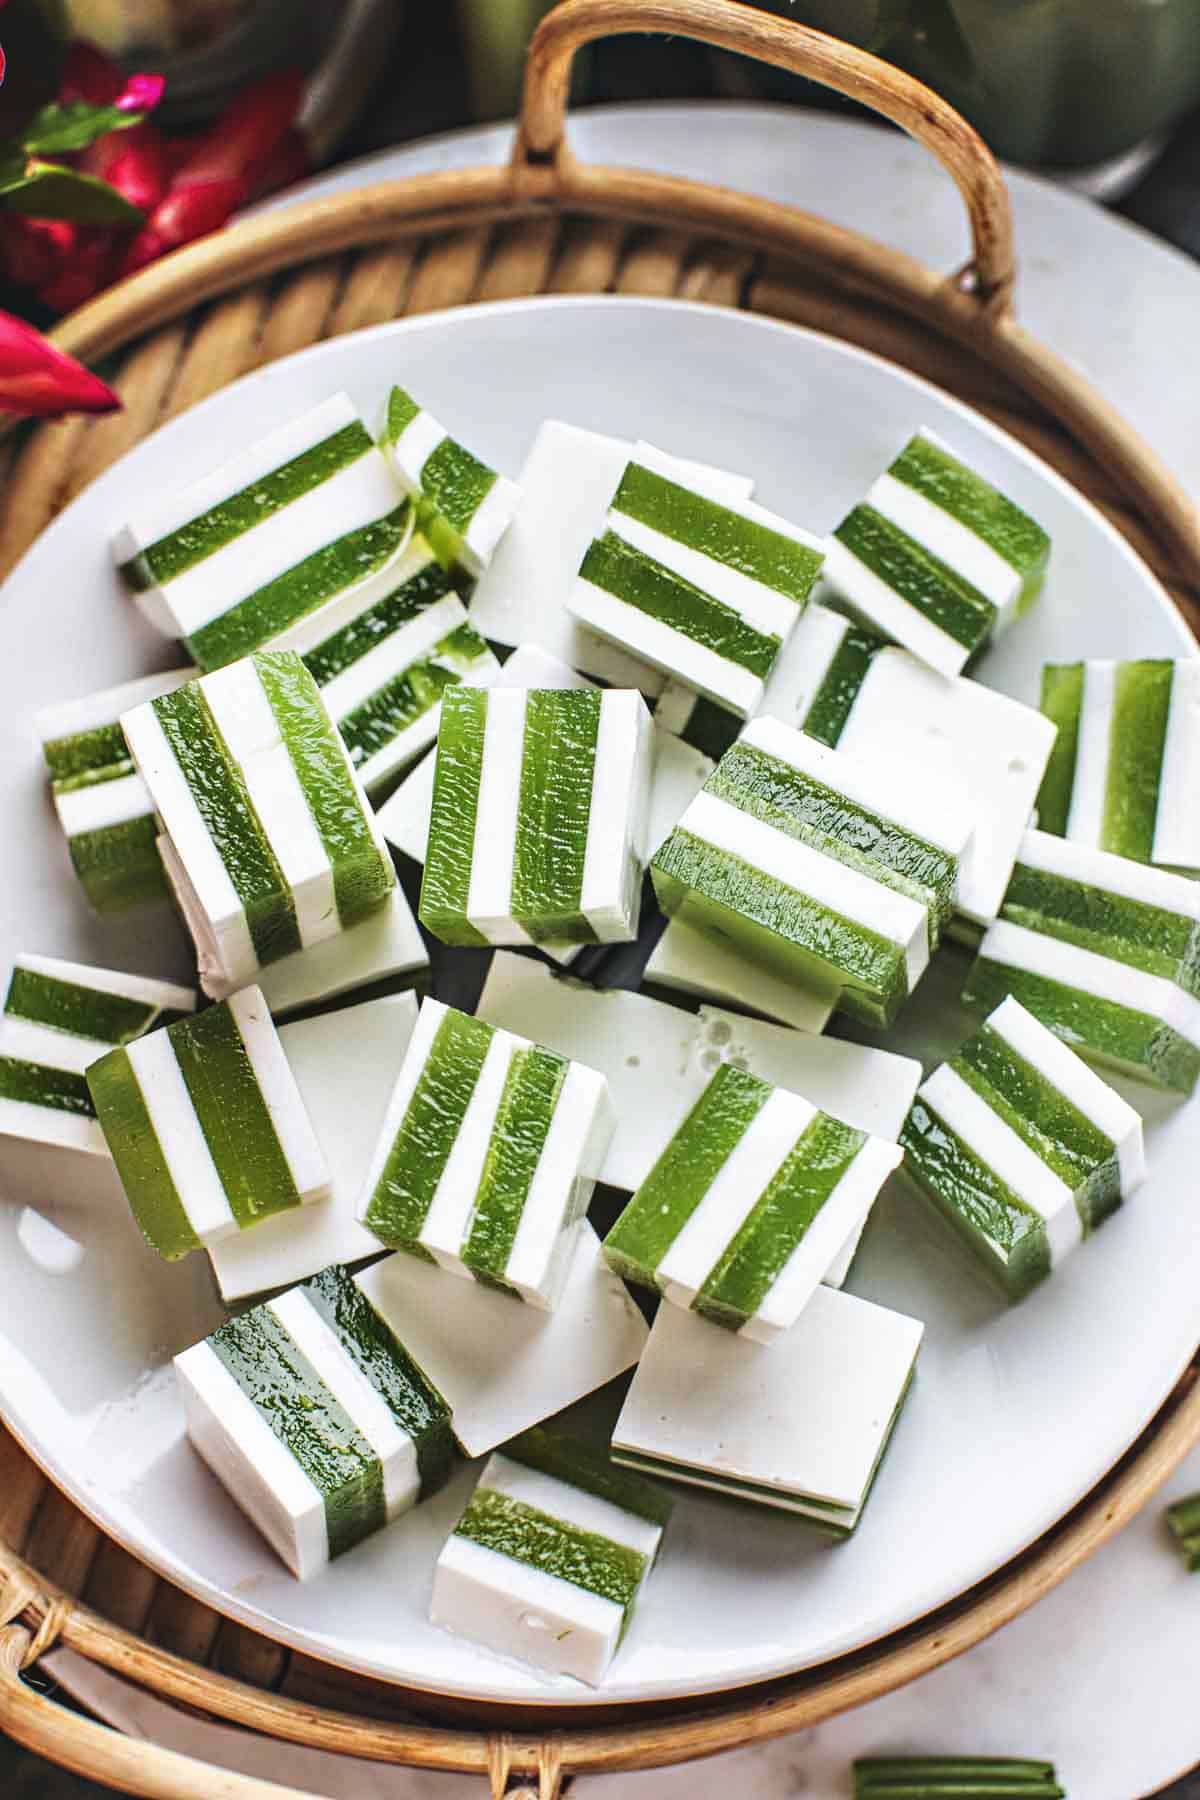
(730, 25)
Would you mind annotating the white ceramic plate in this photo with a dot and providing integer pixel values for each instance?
(1015, 1413)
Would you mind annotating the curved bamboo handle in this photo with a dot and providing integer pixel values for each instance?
(729, 25)
(131, 1765)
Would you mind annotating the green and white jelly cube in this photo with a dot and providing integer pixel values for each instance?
(550, 1557)
(383, 661)
(316, 1420)
(102, 802)
(705, 590)
(466, 507)
(278, 531)
(750, 1205)
(800, 1425)
(206, 1126)
(538, 818)
(1106, 952)
(488, 1155)
(842, 682)
(1022, 1147)
(268, 841)
(1126, 766)
(59, 1018)
(836, 870)
(936, 557)
(501, 1368)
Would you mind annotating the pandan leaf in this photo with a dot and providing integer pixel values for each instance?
(47, 190)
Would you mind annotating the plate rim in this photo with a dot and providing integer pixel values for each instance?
(228, 1604)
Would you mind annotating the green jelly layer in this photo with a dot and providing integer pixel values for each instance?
(1054, 1129)
(408, 696)
(1137, 740)
(815, 814)
(684, 1172)
(223, 801)
(328, 572)
(758, 1254)
(642, 582)
(82, 1011)
(1117, 1037)
(402, 409)
(805, 941)
(926, 583)
(456, 483)
(309, 1422)
(446, 881)
(975, 503)
(526, 1535)
(1133, 932)
(38, 1085)
(566, 1459)
(84, 752)
(232, 518)
(1007, 1236)
(431, 1123)
(360, 635)
(553, 813)
(1183, 1522)
(149, 1185)
(746, 545)
(833, 701)
(363, 875)
(531, 1093)
(1062, 703)
(119, 866)
(233, 1115)
(402, 1384)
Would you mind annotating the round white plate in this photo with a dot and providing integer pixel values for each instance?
(1015, 1413)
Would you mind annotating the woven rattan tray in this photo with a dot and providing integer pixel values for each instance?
(544, 224)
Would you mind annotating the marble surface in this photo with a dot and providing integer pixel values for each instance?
(1100, 1676)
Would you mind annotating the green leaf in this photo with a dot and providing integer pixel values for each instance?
(47, 190)
(57, 129)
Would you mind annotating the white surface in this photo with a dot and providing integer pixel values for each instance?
(803, 1418)
(685, 960)
(501, 1366)
(386, 944)
(122, 1461)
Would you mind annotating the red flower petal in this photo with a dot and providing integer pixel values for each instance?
(133, 161)
(37, 380)
(141, 93)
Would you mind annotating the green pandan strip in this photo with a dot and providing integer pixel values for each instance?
(926, 583)
(309, 1422)
(223, 801)
(431, 1123)
(975, 503)
(230, 519)
(522, 1124)
(363, 875)
(541, 1541)
(36, 1085)
(955, 1778)
(807, 810)
(446, 882)
(119, 866)
(145, 1175)
(329, 571)
(1005, 1233)
(1134, 932)
(83, 1011)
(553, 812)
(1183, 1522)
(802, 939)
(407, 1391)
(756, 1256)
(833, 701)
(1137, 740)
(81, 752)
(1062, 703)
(343, 648)
(409, 695)
(642, 582)
(456, 483)
(745, 545)
(1055, 1130)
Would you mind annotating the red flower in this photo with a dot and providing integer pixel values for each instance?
(88, 74)
(37, 380)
